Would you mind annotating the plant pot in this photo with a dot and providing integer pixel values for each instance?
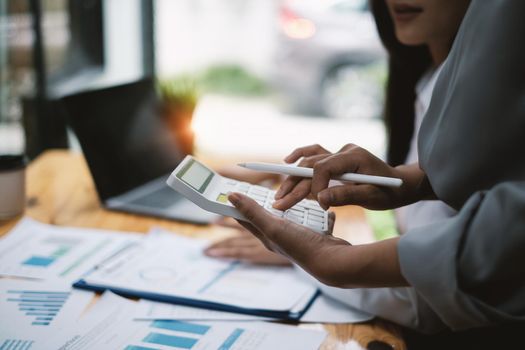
(178, 120)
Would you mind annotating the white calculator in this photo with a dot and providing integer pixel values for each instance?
(209, 191)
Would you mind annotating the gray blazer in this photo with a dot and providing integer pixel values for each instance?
(470, 269)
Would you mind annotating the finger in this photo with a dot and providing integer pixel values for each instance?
(304, 152)
(287, 186)
(330, 167)
(309, 162)
(298, 193)
(251, 210)
(237, 241)
(226, 222)
(262, 221)
(363, 195)
(331, 222)
(348, 147)
(240, 253)
(249, 227)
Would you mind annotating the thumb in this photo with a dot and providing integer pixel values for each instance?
(253, 212)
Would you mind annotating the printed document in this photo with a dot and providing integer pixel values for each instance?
(31, 312)
(110, 325)
(36, 250)
(173, 265)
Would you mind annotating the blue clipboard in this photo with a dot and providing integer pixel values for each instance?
(172, 299)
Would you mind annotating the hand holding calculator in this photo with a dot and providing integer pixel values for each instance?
(209, 191)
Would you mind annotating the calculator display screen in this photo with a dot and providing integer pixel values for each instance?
(196, 175)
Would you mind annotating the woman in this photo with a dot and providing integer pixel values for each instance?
(416, 51)
(469, 268)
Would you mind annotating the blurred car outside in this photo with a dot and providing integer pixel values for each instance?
(329, 59)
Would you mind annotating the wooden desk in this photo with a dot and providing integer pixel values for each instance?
(60, 192)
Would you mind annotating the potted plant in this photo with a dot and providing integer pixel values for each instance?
(179, 97)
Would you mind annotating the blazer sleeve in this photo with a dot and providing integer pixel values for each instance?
(470, 268)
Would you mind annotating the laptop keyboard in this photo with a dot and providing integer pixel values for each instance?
(164, 197)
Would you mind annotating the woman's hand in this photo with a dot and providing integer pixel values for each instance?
(245, 247)
(331, 260)
(354, 159)
(294, 189)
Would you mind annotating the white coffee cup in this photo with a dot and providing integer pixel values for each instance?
(12, 185)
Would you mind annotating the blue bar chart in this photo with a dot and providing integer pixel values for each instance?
(16, 344)
(183, 335)
(230, 341)
(40, 306)
(58, 249)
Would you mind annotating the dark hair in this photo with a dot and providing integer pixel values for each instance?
(406, 65)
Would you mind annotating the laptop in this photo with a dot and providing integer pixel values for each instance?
(130, 152)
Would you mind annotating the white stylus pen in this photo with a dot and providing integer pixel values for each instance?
(288, 169)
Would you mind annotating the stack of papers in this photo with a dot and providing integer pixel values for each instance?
(189, 301)
(170, 268)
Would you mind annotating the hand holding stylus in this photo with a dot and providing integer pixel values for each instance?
(288, 169)
(350, 159)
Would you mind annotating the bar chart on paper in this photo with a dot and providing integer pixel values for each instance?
(36, 250)
(53, 249)
(16, 344)
(40, 306)
(174, 334)
(171, 334)
(32, 311)
(110, 325)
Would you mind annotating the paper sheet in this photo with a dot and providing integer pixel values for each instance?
(32, 311)
(36, 250)
(110, 325)
(174, 265)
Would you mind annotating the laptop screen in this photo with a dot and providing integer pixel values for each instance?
(123, 136)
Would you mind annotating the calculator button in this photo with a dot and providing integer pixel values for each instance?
(310, 205)
(300, 206)
(259, 193)
(315, 218)
(222, 198)
(316, 213)
(258, 198)
(315, 224)
(295, 212)
(294, 219)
